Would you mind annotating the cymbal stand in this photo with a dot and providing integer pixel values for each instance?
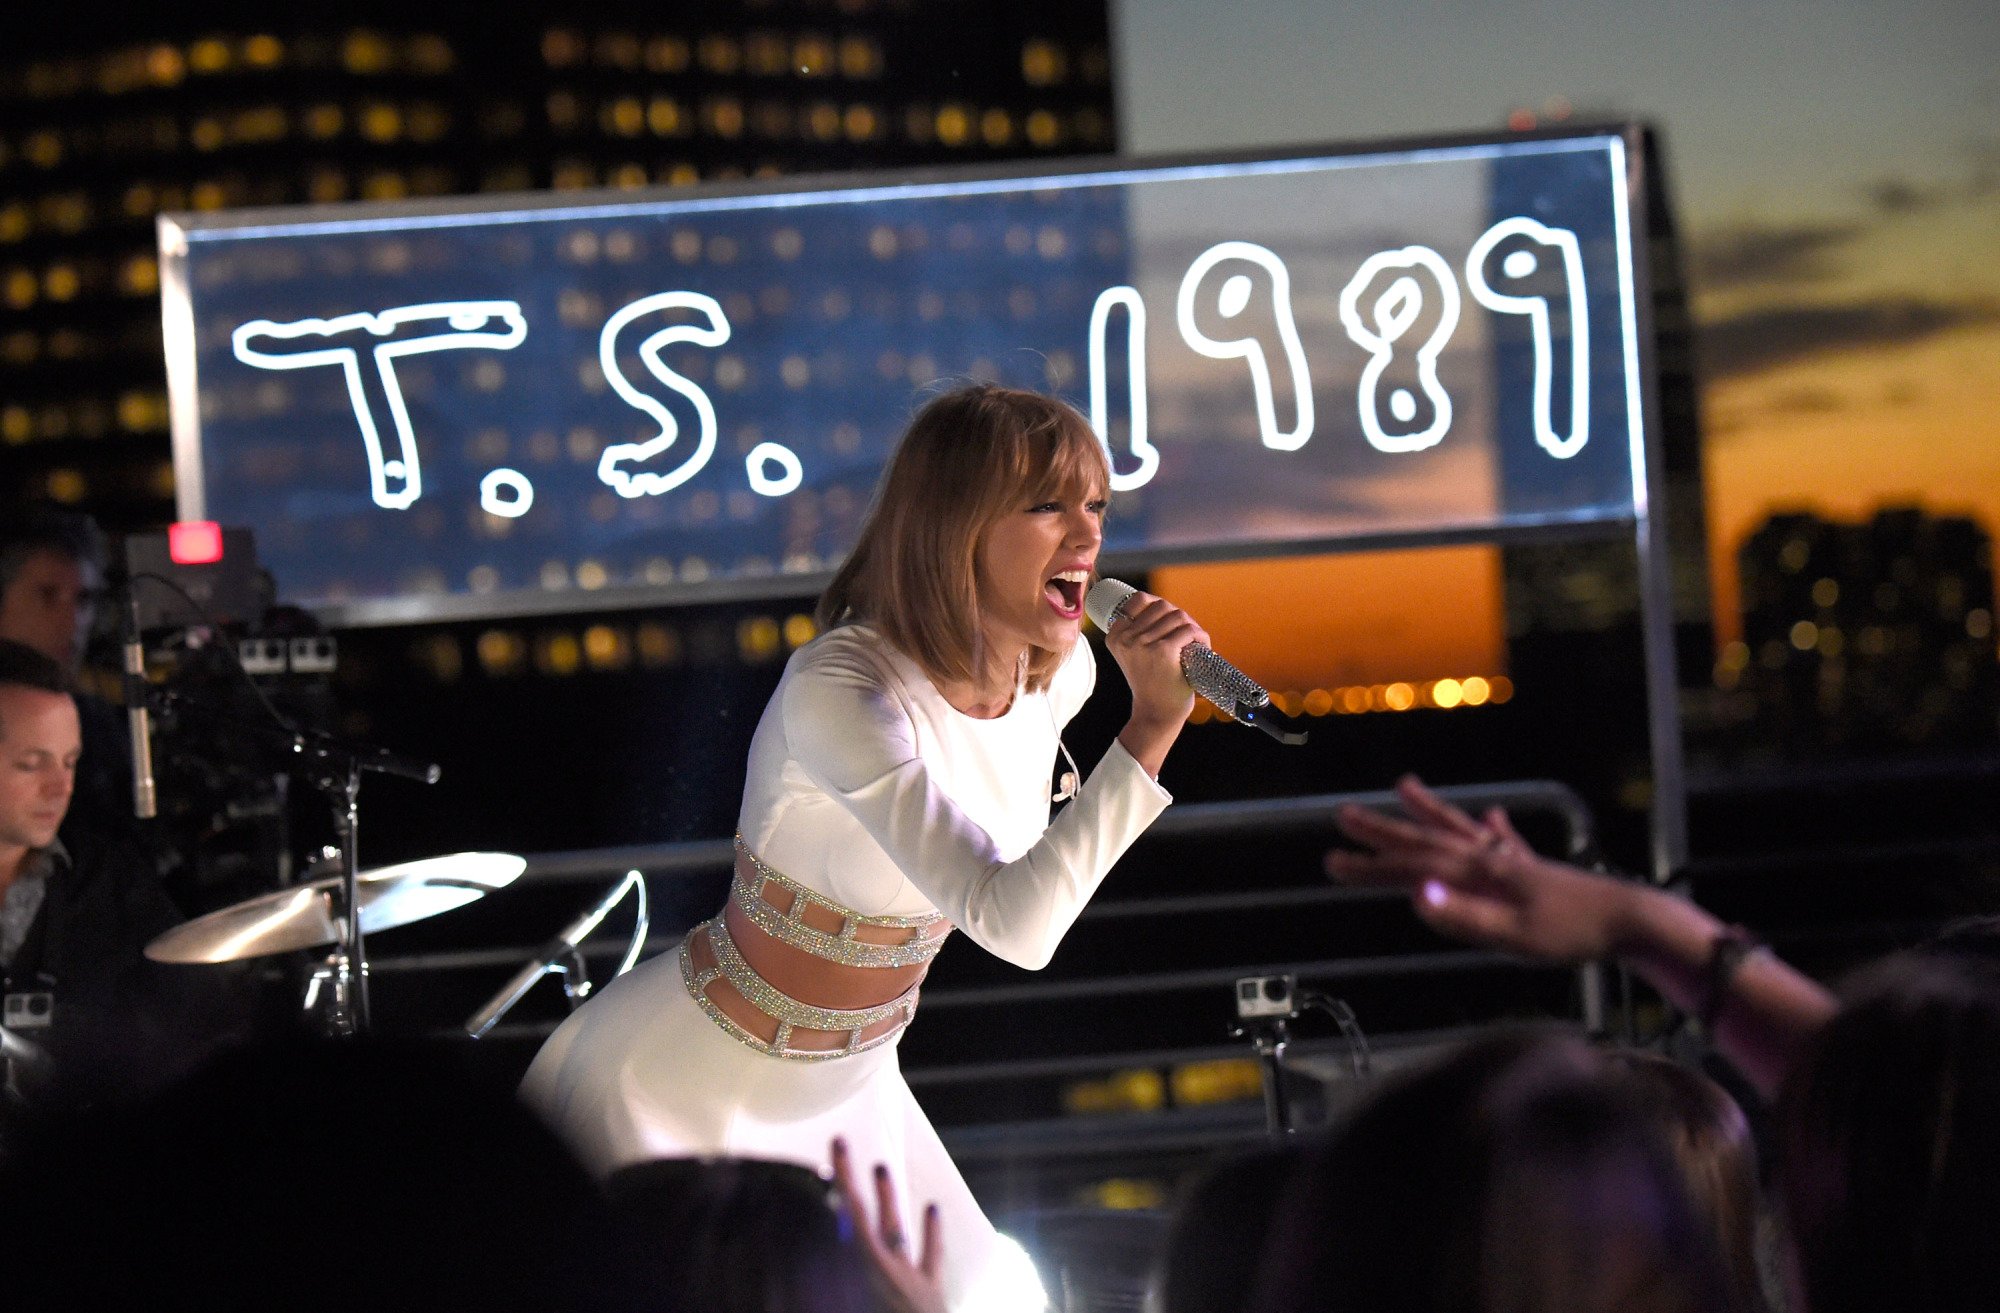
(334, 768)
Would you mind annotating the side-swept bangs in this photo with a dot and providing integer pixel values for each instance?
(969, 457)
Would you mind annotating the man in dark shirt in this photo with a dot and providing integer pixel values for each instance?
(76, 913)
(52, 563)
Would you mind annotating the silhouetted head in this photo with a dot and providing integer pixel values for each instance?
(1891, 1137)
(1514, 1176)
(1711, 1142)
(744, 1235)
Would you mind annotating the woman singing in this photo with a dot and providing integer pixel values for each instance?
(898, 788)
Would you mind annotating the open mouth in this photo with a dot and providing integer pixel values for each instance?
(1065, 592)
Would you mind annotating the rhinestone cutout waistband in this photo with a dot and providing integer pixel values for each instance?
(789, 927)
(787, 1011)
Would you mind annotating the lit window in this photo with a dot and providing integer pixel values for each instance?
(14, 222)
(500, 651)
(823, 121)
(812, 56)
(624, 117)
(43, 149)
(1044, 129)
(997, 127)
(381, 122)
(364, 52)
(860, 122)
(61, 282)
(658, 644)
(210, 55)
(606, 648)
(954, 125)
(860, 58)
(165, 66)
(263, 51)
(666, 54)
(139, 276)
(67, 486)
(561, 48)
(757, 638)
(206, 134)
(725, 117)
(1043, 63)
(663, 116)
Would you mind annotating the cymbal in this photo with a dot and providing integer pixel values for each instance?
(307, 915)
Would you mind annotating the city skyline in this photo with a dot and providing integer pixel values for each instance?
(1835, 169)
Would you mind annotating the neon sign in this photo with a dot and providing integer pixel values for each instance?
(697, 390)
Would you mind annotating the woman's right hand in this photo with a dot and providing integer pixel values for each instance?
(1146, 641)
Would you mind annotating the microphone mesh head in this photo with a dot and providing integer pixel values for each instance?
(1219, 682)
(1103, 601)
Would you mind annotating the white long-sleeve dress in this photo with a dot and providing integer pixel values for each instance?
(866, 787)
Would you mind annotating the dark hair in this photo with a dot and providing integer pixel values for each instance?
(1513, 1176)
(1711, 1141)
(23, 666)
(740, 1235)
(965, 459)
(43, 527)
(1891, 1138)
(1215, 1244)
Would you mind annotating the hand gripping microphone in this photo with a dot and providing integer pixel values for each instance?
(1236, 694)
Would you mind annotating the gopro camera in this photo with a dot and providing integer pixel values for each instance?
(28, 1011)
(1265, 996)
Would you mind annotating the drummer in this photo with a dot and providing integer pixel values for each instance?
(75, 916)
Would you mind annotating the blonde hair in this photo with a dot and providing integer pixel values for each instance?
(969, 457)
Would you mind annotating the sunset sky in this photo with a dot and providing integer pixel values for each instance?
(1836, 168)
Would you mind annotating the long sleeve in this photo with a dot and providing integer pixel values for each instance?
(857, 740)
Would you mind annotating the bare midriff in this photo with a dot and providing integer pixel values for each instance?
(807, 978)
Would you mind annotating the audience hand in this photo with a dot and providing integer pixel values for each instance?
(907, 1287)
(1478, 881)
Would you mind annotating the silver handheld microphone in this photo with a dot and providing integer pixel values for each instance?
(1239, 696)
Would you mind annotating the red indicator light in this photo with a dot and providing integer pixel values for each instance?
(198, 542)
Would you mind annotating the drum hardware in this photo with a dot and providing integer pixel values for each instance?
(314, 915)
(563, 956)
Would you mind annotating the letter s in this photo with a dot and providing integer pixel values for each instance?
(611, 466)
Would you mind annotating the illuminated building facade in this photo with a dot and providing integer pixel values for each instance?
(204, 107)
(1871, 636)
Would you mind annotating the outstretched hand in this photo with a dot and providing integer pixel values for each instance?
(907, 1286)
(1478, 880)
